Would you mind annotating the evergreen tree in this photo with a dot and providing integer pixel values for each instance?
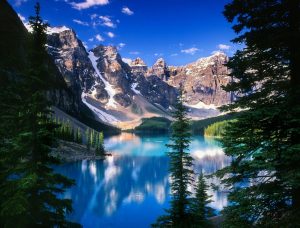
(88, 140)
(78, 136)
(30, 188)
(100, 150)
(264, 141)
(200, 209)
(179, 215)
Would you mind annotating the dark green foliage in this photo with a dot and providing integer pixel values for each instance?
(216, 129)
(29, 187)
(95, 140)
(88, 139)
(264, 141)
(200, 210)
(154, 125)
(179, 214)
(65, 131)
(99, 148)
(198, 126)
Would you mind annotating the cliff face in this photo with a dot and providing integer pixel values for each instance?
(71, 58)
(151, 85)
(203, 79)
(115, 74)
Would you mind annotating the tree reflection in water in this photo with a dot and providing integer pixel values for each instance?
(131, 188)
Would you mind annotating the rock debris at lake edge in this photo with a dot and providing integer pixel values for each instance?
(72, 152)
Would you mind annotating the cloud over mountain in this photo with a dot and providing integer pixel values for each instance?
(88, 3)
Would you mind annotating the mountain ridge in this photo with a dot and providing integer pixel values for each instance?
(121, 92)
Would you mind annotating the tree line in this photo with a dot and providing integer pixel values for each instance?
(89, 137)
(216, 129)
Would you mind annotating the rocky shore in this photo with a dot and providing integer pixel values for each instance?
(71, 152)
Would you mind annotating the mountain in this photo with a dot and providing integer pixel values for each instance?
(202, 80)
(122, 93)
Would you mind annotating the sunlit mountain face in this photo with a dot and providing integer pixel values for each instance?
(134, 183)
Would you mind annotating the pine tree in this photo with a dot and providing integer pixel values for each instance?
(88, 140)
(200, 210)
(100, 150)
(78, 137)
(179, 215)
(264, 141)
(30, 190)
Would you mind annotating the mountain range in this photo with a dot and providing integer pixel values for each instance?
(121, 92)
(103, 90)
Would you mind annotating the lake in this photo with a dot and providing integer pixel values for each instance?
(131, 188)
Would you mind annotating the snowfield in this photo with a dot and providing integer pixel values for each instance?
(108, 87)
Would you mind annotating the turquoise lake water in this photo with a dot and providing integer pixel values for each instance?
(131, 188)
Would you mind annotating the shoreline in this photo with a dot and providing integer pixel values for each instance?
(72, 152)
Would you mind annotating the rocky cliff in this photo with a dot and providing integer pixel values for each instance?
(203, 80)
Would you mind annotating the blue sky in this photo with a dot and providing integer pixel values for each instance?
(180, 31)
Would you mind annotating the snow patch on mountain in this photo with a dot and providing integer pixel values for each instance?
(51, 30)
(201, 105)
(203, 63)
(100, 113)
(133, 88)
(108, 87)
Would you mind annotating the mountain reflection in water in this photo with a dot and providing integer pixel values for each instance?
(131, 188)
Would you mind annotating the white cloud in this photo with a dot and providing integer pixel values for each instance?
(23, 19)
(121, 45)
(190, 51)
(175, 54)
(102, 20)
(134, 53)
(91, 39)
(127, 11)
(89, 3)
(99, 37)
(106, 21)
(19, 2)
(127, 60)
(223, 47)
(80, 22)
(110, 34)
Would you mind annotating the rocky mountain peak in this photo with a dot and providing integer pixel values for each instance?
(108, 52)
(160, 63)
(137, 62)
(217, 58)
(160, 69)
(59, 29)
(66, 38)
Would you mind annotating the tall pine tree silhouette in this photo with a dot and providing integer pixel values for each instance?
(200, 210)
(179, 214)
(31, 189)
(264, 141)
